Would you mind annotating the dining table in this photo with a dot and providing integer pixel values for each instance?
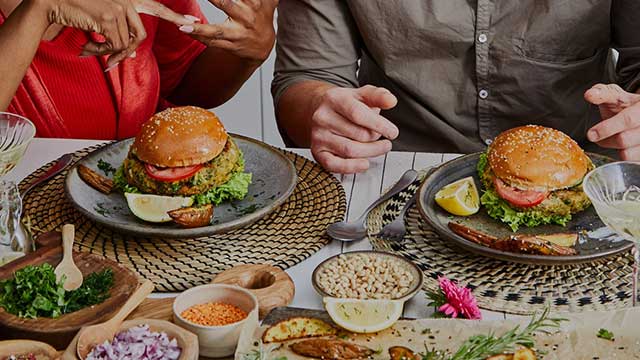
(360, 190)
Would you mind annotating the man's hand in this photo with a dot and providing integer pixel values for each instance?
(620, 128)
(247, 33)
(347, 126)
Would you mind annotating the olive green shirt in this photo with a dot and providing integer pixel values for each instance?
(464, 70)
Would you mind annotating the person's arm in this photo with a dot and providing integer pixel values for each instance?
(116, 20)
(315, 88)
(213, 78)
(236, 48)
(19, 39)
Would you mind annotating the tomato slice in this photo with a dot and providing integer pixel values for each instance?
(171, 174)
(517, 197)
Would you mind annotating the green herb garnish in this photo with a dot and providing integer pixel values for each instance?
(34, 292)
(106, 167)
(480, 347)
(605, 334)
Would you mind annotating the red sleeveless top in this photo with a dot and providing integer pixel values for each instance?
(67, 96)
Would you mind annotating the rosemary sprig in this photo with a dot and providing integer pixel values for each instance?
(480, 347)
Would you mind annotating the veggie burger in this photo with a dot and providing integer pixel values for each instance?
(532, 175)
(185, 152)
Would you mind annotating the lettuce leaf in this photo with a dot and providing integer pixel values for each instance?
(500, 209)
(235, 189)
(120, 182)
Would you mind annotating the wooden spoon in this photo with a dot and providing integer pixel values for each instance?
(66, 267)
(93, 335)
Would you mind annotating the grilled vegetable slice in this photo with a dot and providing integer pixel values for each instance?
(402, 353)
(562, 239)
(297, 328)
(192, 217)
(95, 180)
(524, 354)
(331, 349)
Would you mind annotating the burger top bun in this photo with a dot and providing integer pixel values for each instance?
(538, 158)
(182, 136)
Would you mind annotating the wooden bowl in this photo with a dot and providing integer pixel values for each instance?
(59, 332)
(187, 341)
(19, 347)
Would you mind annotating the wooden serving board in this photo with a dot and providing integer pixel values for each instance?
(272, 286)
(60, 331)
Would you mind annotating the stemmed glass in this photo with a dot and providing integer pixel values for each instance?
(614, 190)
(16, 133)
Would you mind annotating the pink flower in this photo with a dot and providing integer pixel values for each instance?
(460, 301)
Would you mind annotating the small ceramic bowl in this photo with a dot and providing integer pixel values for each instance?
(413, 289)
(215, 341)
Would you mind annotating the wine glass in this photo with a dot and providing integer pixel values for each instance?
(16, 132)
(614, 190)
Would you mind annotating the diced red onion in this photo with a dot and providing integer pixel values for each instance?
(137, 343)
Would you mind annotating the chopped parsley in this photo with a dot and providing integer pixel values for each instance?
(606, 334)
(106, 167)
(34, 292)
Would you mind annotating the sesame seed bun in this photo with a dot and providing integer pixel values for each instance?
(538, 158)
(182, 136)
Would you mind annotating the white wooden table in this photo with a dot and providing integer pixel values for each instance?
(361, 190)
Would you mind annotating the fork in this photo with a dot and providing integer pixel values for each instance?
(396, 230)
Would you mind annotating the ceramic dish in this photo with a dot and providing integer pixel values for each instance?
(412, 289)
(187, 341)
(274, 179)
(596, 240)
(217, 341)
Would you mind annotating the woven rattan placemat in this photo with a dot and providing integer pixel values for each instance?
(503, 286)
(284, 238)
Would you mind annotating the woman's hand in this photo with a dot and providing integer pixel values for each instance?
(620, 126)
(116, 20)
(247, 33)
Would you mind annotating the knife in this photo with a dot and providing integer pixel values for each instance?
(60, 164)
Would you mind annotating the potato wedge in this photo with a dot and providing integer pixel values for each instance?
(192, 217)
(524, 354)
(95, 180)
(402, 353)
(501, 357)
(562, 239)
(297, 328)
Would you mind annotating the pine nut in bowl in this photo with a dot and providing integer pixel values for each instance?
(367, 275)
(217, 314)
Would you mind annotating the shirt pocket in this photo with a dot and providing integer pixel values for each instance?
(564, 32)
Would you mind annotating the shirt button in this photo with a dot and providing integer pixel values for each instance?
(483, 94)
(488, 141)
(482, 38)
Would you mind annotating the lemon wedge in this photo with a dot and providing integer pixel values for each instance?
(460, 197)
(363, 316)
(154, 208)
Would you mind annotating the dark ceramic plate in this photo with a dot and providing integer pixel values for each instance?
(274, 179)
(595, 241)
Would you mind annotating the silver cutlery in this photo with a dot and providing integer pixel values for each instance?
(54, 170)
(356, 230)
(22, 238)
(396, 230)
